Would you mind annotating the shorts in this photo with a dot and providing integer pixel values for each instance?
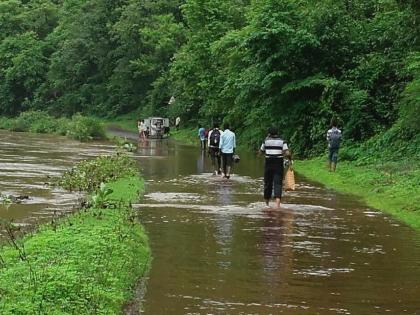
(333, 155)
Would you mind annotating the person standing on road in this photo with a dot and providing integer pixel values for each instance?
(202, 136)
(177, 122)
(333, 139)
(227, 147)
(142, 129)
(214, 151)
(274, 149)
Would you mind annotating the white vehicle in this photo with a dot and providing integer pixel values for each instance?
(157, 127)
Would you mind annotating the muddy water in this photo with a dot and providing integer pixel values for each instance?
(28, 162)
(217, 251)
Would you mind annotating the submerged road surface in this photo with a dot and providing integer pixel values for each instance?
(217, 251)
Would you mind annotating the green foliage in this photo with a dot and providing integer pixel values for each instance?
(31, 121)
(293, 64)
(89, 174)
(99, 199)
(85, 128)
(84, 264)
(410, 102)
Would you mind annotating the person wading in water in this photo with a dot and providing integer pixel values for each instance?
(214, 151)
(227, 147)
(274, 149)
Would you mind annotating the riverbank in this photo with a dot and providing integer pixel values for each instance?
(86, 263)
(392, 187)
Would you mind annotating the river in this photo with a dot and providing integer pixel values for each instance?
(216, 250)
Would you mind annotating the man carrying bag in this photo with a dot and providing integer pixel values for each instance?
(275, 149)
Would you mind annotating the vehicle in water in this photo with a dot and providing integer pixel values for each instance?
(156, 127)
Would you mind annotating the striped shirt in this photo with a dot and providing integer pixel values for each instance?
(274, 148)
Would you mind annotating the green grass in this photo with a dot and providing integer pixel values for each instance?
(187, 136)
(392, 186)
(126, 122)
(86, 263)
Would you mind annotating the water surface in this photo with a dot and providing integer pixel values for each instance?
(218, 251)
(28, 163)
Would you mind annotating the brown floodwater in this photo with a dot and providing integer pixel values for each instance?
(28, 163)
(218, 251)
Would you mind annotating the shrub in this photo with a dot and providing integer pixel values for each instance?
(26, 120)
(88, 175)
(85, 128)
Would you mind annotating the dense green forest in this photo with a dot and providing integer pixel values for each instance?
(254, 63)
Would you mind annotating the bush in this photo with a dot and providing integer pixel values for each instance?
(6, 123)
(26, 120)
(63, 126)
(85, 128)
(88, 175)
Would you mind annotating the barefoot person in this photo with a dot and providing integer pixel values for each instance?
(274, 149)
(142, 129)
(214, 151)
(227, 147)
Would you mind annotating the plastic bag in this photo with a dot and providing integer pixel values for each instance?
(289, 180)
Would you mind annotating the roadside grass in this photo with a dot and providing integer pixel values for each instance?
(126, 122)
(392, 186)
(86, 263)
(77, 127)
(186, 136)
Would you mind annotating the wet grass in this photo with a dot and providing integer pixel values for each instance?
(187, 136)
(391, 186)
(86, 263)
(126, 122)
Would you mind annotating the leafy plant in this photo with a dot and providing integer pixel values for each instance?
(99, 199)
(89, 174)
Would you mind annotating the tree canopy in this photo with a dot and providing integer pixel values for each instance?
(254, 63)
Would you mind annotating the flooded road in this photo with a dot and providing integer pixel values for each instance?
(217, 251)
(28, 162)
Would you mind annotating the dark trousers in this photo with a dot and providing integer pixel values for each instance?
(215, 156)
(227, 161)
(273, 179)
(203, 144)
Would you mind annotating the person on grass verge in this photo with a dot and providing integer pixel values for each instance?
(214, 151)
(227, 147)
(202, 136)
(275, 149)
(333, 139)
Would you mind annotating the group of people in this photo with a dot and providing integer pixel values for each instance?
(222, 144)
(221, 147)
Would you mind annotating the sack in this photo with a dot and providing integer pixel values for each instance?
(236, 158)
(215, 138)
(335, 138)
(289, 180)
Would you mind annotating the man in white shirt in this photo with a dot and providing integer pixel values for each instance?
(227, 147)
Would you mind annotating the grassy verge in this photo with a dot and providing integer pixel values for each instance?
(126, 122)
(393, 187)
(86, 263)
(186, 136)
(77, 127)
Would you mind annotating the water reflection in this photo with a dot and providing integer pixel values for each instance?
(217, 252)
